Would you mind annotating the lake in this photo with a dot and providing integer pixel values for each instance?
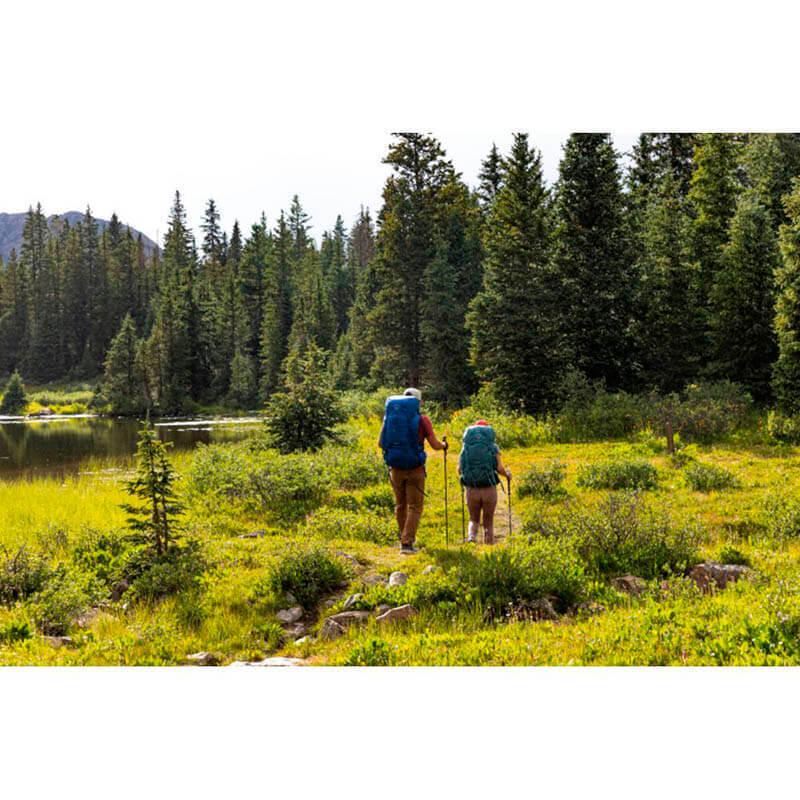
(67, 446)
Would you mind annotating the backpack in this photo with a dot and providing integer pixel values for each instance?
(478, 458)
(400, 435)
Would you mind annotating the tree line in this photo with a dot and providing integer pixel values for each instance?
(679, 263)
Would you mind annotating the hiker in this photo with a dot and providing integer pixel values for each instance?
(479, 464)
(402, 439)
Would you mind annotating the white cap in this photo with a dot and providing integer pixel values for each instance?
(411, 392)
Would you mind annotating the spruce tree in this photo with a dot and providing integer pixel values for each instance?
(312, 316)
(14, 316)
(786, 374)
(516, 344)
(14, 398)
(743, 300)
(592, 260)
(121, 382)
(242, 389)
(276, 322)
(256, 253)
(771, 161)
(712, 196)
(668, 326)
(490, 177)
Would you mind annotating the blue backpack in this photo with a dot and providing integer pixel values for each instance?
(400, 435)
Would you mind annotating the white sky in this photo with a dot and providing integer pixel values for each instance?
(117, 104)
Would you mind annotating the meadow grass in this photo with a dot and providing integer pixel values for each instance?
(232, 615)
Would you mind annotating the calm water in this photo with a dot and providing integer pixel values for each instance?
(67, 446)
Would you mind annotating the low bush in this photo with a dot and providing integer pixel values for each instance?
(782, 516)
(337, 523)
(66, 594)
(104, 555)
(288, 487)
(368, 405)
(271, 634)
(349, 467)
(15, 631)
(373, 653)
(153, 577)
(782, 428)
(731, 555)
(22, 574)
(513, 430)
(381, 498)
(709, 477)
(307, 572)
(346, 502)
(543, 481)
(625, 536)
(618, 474)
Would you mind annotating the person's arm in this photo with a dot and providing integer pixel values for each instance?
(501, 469)
(430, 435)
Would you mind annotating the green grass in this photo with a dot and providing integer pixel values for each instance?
(463, 603)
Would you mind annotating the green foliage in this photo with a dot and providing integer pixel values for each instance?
(731, 555)
(14, 399)
(22, 574)
(786, 376)
(154, 519)
(543, 481)
(373, 653)
(516, 344)
(709, 477)
(176, 570)
(308, 572)
(379, 499)
(783, 428)
(513, 429)
(782, 516)
(618, 474)
(337, 523)
(304, 414)
(121, 379)
(271, 634)
(625, 536)
(103, 555)
(15, 631)
(66, 594)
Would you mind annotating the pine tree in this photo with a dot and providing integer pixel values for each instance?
(333, 258)
(712, 196)
(14, 398)
(121, 382)
(490, 177)
(786, 375)
(155, 518)
(668, 327)
(213, 246)
(771, 160)
(743, 300)
(515, 341)
(406, 243)
(298, 227)
(312, 316)
(242, 389)
(256, 252)
(14, 319)
(277, 310)
(592, 259)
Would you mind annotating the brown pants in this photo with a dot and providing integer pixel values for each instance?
(409, 495)
(482, 500)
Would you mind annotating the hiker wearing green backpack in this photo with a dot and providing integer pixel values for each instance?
(402, 439)
(479, 465)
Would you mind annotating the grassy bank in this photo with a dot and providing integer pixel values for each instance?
(325, 521)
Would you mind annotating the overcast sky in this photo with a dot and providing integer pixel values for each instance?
(118, 104)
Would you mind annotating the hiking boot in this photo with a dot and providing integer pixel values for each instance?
(408, 549)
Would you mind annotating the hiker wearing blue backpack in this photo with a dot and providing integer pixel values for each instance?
(479, 465)
(402, 439)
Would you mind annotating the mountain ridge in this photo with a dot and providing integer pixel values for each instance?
(12, 224)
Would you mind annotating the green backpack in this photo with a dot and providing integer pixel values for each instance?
(478, 458)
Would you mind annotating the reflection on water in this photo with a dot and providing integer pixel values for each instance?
(64, 446)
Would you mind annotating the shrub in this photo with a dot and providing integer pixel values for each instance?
(732, 555)
(220, 471)
(513, 430)
(350, 467)
(290, 486)
(589, 412)
(379, 499)
(309, 573)
(783, 428)
(154, 577)
(271, 634)
(65, 595)
(15, 631)
(304, 414)
(543, 481)
(618, 474)
(625, 536)
(367, 526)
(346, 502)
(358, 403)
(709, 477)
(373, 653)
(22, 574)
(782, 512)
(103, 555)
(519, 573)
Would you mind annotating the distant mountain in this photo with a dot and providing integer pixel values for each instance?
(11, 226)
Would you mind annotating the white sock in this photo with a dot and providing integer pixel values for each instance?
(472, 536)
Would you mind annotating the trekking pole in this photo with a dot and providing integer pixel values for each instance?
(510, 533)
(446, 520)
(463, 532)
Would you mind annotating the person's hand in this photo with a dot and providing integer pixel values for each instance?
(444, 443)
(508, 474)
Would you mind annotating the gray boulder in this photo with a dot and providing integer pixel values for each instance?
(352, 600)
(397, 614)
(398, 579)
(713, 575)
(288, 616)
(203, 659)
(629, 584)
